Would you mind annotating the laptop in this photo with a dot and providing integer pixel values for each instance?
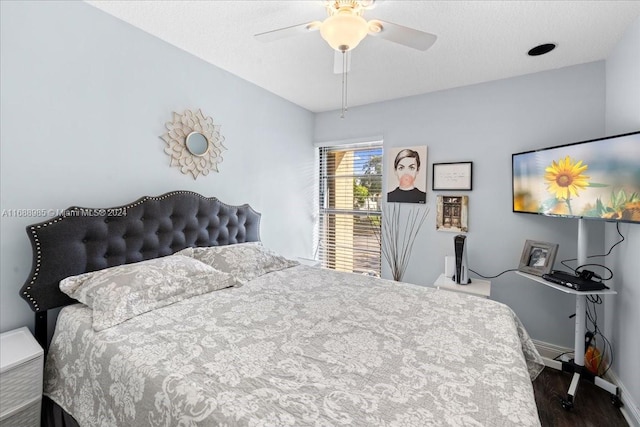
(574, 282)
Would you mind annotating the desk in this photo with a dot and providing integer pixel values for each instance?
(577, 365)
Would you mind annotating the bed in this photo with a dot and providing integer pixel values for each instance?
(186, 319)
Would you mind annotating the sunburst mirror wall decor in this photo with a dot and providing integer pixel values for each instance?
(194, 143)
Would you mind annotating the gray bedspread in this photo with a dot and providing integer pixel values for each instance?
(300, 347)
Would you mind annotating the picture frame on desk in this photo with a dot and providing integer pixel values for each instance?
(537, 257)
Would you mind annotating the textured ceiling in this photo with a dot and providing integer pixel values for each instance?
(478, 41)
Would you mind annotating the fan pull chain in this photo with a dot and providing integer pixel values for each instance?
(344, 82)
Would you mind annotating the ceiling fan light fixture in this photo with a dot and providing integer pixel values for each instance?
(344, 30)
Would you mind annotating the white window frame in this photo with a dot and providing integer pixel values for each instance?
(326, 250)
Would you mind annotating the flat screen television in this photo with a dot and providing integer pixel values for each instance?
(594, 179)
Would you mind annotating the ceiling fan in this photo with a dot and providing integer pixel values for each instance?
(345, 28)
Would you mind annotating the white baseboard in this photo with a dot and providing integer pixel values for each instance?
(630, 410)
(550, 351)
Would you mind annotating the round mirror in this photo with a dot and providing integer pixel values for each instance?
(197, 144)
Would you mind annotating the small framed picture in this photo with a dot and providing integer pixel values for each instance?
(452, 214)
(537, 257)
(452, 176)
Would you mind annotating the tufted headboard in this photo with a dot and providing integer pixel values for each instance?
(88, 239)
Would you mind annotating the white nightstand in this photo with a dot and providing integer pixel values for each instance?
(21, 365)
(477, 287)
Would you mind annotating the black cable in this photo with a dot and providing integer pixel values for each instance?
(563, 262)
(607, 345)
(592, 316)
(574, 270)
(577, 271)
(492, 277)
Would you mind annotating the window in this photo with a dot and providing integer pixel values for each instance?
(350, 178)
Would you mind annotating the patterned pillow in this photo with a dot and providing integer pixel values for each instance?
(245, 261)
(117, 294)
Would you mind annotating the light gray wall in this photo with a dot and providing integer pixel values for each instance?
(623, 310)
(84, 99)
(485, 124)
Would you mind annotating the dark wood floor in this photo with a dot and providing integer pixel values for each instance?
(593, 407)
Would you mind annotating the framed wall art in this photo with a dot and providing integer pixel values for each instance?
(537, 257)
(452, 214)
(452, 176)
(194, 143)
(407, 175)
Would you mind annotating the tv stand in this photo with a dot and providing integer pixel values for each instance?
(576, 366)
(582, 373)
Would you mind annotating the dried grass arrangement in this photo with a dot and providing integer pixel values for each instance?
(401, 223)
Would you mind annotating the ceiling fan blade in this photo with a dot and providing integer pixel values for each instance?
(402, 35)
(337, 61)
(286, 32)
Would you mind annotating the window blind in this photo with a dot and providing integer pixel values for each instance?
(349, 207)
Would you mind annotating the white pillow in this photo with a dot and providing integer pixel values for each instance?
(117, 294)
(245, 261)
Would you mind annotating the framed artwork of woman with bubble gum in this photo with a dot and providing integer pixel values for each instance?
(408, 180)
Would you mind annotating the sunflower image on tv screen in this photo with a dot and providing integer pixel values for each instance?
(564, 179)
(593, 179)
